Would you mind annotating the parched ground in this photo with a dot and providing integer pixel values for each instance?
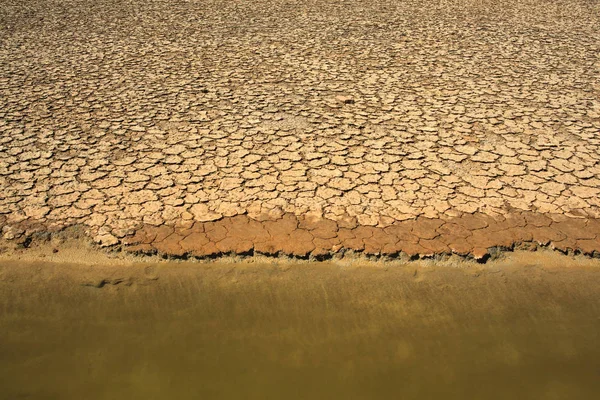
(302, 127)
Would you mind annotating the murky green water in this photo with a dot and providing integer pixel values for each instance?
(306, 332)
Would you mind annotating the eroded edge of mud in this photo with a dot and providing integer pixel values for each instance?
(477, 237)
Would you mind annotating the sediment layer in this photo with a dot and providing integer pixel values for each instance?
(469, 235)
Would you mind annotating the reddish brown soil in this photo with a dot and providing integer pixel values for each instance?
(469, 235)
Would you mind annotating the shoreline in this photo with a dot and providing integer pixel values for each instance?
(476, 237)
(66, 248)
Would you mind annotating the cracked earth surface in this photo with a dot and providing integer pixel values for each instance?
(302, 127)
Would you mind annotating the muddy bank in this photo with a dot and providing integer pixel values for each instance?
(525, 326)
(471, 236)
(402, 110)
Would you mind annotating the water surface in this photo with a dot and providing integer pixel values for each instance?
(307, 331)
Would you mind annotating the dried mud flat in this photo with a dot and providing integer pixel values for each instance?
(304, 128)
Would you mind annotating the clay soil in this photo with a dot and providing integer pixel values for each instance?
(307, 128)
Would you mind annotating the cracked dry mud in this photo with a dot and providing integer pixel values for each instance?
(302, 127)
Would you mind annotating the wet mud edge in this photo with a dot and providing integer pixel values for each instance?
(476, 236)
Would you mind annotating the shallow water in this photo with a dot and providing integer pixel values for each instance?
(298, 332)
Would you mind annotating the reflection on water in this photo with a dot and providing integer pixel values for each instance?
(307, 332)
